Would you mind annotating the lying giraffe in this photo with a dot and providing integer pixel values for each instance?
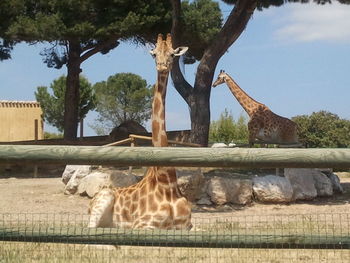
(155, 201)
(263, 125)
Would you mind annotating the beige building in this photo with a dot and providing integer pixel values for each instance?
(20, 121)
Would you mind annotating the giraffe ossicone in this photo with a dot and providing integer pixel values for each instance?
(155, 201)
(264, 125)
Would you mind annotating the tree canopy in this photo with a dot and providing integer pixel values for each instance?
(123, 97)
(323, 129)
(52, 103)
(8, 13)
(79, 29)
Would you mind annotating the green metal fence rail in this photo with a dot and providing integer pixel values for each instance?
(176, 156)
(172, 238)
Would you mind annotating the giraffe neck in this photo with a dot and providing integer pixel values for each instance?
(159, 137)
(248, 103)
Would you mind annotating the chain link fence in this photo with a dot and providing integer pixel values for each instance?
(248, 238)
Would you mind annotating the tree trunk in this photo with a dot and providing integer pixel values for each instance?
(198, 96)
(72, 95)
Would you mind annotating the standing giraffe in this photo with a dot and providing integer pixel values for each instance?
(155, 201)
(263, 125)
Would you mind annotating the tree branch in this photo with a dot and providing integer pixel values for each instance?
(232, 29)
(180, 83)
(98, 48)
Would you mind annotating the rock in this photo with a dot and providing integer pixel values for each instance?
(92, 183)
(68, 172)
(323, 184)
(190, 183)
(223, 190)
(204, 200)
(302, 182)
(95, 181)
(80, 172)
(219, 145)
(337, 187)
(326, 171)
(272, 188)
(123, 179)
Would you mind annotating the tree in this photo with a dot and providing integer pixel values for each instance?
(323, 129)
(124, 96)
(227, 130)
(79, 29)
(53, 104)
(8, 13)
(197, 96)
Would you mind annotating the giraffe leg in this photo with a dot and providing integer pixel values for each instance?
(253, 131)
(101, 209)
(101, 214)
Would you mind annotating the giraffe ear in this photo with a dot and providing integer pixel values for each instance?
(180, 51)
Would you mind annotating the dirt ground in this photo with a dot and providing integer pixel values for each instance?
(45, 195)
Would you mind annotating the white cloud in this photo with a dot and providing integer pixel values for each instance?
(311, 22)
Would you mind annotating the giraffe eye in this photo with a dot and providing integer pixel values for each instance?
(152, 53)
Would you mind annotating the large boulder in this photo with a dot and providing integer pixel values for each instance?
(302, 181)
(219, 145)
(95, 181)
(191, 183)
(337, 187)
(223, 190)
(323, 184)
(272, 188)
(72, 176)
(123, 178)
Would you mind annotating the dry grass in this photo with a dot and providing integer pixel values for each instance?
(53, 253)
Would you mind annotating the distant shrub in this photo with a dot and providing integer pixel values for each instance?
(323, 129)
(50, 135)
(226, 129)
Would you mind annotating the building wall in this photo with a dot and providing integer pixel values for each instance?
(17, 121)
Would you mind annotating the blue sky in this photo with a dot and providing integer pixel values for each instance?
(295, 59)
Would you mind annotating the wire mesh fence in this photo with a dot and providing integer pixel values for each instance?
(248, 238)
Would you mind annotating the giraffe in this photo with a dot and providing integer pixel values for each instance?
(263, 125)
(155, 201)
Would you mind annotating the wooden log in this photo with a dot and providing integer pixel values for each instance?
(169, 141)
(128, 140)
(175, 156)
(171, 238)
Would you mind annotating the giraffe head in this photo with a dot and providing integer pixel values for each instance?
(164, 53)
(221, 78)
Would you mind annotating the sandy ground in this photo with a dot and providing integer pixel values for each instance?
(45, 195)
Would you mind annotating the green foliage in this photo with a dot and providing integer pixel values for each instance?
(51, 135)
(124, 96)
(202, 21)
(91, 23)
(8, 13)
(323, 129)
(227, 130)
(263, 4)
(53, 104)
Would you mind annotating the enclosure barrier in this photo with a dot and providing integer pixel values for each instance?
(326, 232)
(176, 156)
(172, 238)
